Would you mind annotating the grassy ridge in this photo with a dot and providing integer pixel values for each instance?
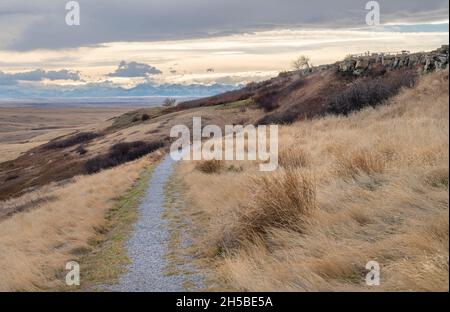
(370, 186)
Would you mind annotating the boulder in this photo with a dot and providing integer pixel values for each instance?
(347, 65)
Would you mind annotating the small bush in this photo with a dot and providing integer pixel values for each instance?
(145, 117)
(73, 140)
(121, 153)
(210, 166)
(81, 150)
(169, 102)
(370, 92)
(280, 118)
(438, 178)
(234, 168)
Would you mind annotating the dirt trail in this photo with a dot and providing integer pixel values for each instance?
(147, 247)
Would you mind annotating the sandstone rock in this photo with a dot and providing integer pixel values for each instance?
(347, 65)
(362, 64)
(434, 60)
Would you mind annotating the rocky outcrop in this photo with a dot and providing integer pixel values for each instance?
(355, 65)
(425, 62)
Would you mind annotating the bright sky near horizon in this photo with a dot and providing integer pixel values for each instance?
(199, 41)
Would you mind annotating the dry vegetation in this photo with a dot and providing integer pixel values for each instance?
(51, 213)
(62, 222)
(121, 153)
(372, 185)
(22, 129)
(101, 145)
(210, 166)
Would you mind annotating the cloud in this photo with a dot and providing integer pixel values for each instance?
(38, 75)
(41, 23)
(134, 69)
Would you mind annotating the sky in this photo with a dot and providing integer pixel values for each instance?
(143, 44)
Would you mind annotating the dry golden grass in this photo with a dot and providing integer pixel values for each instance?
(22, 129)
(35, 245)
(370, 186)
(14, 150)
(283, 199)
(293, 157)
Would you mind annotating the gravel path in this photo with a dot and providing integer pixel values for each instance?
(147, 245)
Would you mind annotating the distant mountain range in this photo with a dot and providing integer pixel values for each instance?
(106, 89)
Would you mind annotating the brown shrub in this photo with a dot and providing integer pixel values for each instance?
(121, 153)
(210, 166)
(266, 99)
(438, 178)
(280, 118)
(81, 150)
(82, 137)
(370, 92)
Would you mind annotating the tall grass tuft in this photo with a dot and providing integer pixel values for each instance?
(281, 200)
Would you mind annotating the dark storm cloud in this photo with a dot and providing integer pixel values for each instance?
(142, 20)
(38, 75)
(134, 69)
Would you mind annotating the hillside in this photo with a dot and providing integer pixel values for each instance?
(337, 88)
(370, 186)
(363, 176)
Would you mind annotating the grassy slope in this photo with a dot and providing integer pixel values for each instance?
(41, 166)
(67, 222)
(370, 186)
(60, 221)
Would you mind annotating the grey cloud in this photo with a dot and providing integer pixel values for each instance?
(134, 69)
(141, 20)
(38, 75)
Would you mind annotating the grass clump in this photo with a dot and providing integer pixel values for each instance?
(438, 178)
(210, 166)
(281, 200)
(360, 161)
(294, 157)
